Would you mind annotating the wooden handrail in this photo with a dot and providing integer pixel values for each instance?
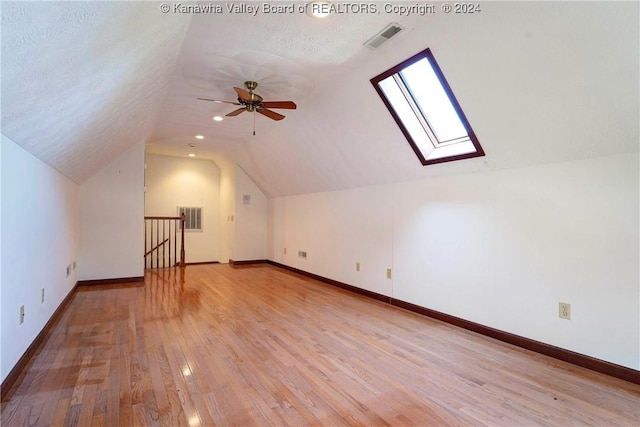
(165, 217)
(157, 246)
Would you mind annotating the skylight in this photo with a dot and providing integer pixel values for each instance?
(428, 114)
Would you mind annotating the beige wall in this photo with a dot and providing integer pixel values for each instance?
(174, 181)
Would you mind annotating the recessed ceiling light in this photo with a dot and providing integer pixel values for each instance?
(319, 9)
(199, 137)
(217, 118)
(191, 155)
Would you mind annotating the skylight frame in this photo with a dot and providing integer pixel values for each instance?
(431, 157)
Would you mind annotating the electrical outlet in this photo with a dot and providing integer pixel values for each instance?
(68, 270)
(388, 273)
(302, 254)
(285, 251)
(357, 266)
(21, 314)
(42, 295)
(564, 310)
(74, 265)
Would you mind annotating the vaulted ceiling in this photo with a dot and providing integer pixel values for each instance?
(539, 82)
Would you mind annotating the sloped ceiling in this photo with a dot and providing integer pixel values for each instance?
(83, 81)
(540, 82)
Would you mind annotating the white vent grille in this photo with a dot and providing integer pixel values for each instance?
(383, 36)
(193, 218)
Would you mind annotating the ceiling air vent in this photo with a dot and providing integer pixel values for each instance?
(385, 35)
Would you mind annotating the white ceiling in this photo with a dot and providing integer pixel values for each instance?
(539, 82)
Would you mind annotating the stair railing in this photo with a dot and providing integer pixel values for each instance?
(161, 241)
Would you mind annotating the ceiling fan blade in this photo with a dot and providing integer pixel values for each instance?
(280, 104)
(243, 94)
(271, 114)
(219, 101)
(236, 112)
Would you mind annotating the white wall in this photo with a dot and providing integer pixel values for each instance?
(501, 248)
(39, 239)
(336, 229)
(112, 219)
(174, 181)
(251, 220)
(2, 375)
(227, 209)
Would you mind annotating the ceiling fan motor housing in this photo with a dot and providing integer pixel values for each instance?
(254, 100)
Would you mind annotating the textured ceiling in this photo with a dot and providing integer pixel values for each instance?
(83, 81)
(539, 82)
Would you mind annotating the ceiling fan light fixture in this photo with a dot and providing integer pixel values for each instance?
(217, 118)
(319, 9)
(199, 137)
(191, 155)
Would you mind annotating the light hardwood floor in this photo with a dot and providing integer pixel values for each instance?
(261, 346)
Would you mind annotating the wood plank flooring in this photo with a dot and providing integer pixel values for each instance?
(262, 346)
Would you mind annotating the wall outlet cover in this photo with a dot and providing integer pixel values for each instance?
(564, 310)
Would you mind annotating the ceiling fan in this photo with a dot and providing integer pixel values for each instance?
(252, 102)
